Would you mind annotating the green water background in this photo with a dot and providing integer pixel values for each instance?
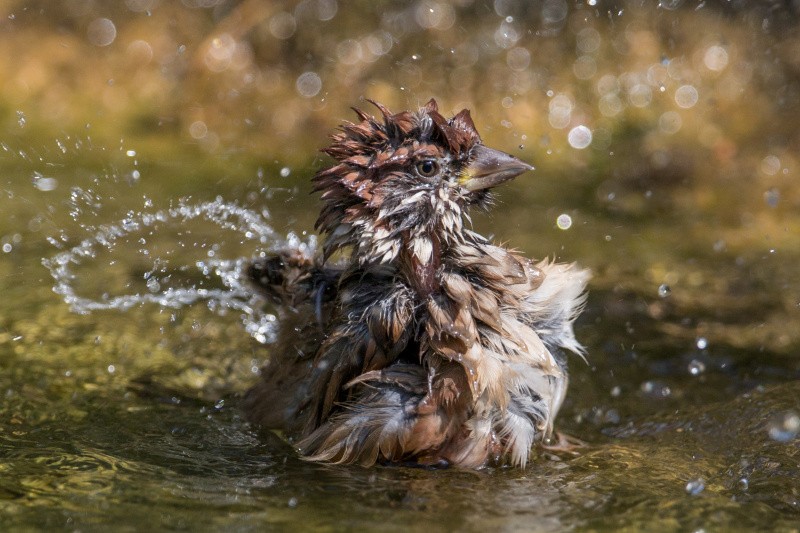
(685, 205)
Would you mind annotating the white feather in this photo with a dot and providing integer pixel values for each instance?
(423, 249)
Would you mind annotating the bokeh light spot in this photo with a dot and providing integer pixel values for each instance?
(716, 58)
(686, 96)
(308, 84)
(101, 32)
(579, 137)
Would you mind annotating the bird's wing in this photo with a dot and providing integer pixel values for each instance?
(373, 326)
(303, 292)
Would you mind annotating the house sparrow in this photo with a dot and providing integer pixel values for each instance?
(411, 338)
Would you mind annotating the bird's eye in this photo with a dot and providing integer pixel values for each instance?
(427, 168)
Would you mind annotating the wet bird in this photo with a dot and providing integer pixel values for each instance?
(411, 338)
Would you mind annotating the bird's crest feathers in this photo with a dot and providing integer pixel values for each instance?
(457, 134)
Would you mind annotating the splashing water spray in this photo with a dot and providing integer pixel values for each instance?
(234, 294)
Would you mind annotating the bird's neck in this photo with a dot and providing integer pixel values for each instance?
(426, 256)
(422, 259)
(416, 241)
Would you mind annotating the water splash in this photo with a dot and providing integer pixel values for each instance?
(233, 295)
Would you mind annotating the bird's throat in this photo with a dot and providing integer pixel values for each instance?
(424, 261)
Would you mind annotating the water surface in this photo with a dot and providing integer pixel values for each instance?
(144, 163)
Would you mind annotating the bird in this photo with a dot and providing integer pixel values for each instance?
(409, 338)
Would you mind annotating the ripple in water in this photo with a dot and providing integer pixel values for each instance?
(233, 295)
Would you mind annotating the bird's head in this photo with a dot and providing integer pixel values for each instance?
(405, 182)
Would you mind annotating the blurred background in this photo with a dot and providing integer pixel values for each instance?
(147, 145)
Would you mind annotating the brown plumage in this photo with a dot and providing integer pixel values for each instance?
(423, 342)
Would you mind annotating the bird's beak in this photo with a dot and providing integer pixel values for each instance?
(490, 168)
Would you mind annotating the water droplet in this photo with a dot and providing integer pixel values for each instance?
(7, 247)
(282, 25)
(518, 58)
(702, 343)
(506, 35)
(664, 290)
(308, 84)
(554, 11)
(640, 95)
(784, 426)
(588, 40)
(292, 502)
(670, 122)
(695, 486)
(716, 58)
(44, 184)
(198, 129)
(232, 295)
(111, 369)
(21, 119)
(610, 105)
(656, 389)
(584, 67)
(560, 111)
(686, 96)
(326, 9)
(101, 32)
(379, 43)
(743, 483)
(770, 165)
(131, 153)
(434, 15)
(564, 221)
(616, 391)
(696, 367)
(579, 137)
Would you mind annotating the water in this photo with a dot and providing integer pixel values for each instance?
(181, 154)
(121, 402)
(234, 295)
